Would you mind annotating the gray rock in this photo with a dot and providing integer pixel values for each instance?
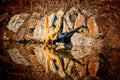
(17, 57)
(16, 21)
(70, 17)
(82, 40)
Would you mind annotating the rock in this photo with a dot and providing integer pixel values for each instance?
(16, 21)
(40, 54)
(80, 20)
(33, 20)
(20, 35)
(39, 29)
(81, 52)
(81, 70)
(93, 66)
(83, 40)
(87, 13)
(70, 17)
(92, 26)
(17, 57)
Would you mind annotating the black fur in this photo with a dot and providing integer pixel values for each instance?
(65, 37)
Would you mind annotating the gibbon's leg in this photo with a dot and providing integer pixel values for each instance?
(52, 56)
(47, 63)
(46, 25)
(47, 59)
(58, 61)
(46, 39)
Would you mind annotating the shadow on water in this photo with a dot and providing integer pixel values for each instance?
(48, 62)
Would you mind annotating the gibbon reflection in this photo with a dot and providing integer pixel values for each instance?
(60, 59)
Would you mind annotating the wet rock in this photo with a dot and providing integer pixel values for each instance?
(93, 66)
(81, 70)
(20, 35)
(40, 54)
(17, 57)
(81, 52)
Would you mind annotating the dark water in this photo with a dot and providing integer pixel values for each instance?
(46, 62)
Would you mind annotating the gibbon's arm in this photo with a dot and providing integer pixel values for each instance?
(65, 37)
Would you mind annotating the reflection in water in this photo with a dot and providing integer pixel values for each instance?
(50, 62)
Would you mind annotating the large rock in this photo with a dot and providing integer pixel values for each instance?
(16, 21)
(85, 40)
(70, 17)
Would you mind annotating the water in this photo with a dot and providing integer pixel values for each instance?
(48, 62)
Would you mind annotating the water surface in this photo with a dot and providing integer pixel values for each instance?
(48, 62)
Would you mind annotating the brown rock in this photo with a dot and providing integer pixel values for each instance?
(83, 40)
(71, 16)
(80, 20)
(81, 69)
(92, 26)
(93, 66)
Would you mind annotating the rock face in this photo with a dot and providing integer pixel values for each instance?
(99, 32)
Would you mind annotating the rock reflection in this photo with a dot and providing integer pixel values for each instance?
(73, 62)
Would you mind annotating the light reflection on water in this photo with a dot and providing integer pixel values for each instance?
(36, 61)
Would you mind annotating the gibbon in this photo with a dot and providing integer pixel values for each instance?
(49, 36)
